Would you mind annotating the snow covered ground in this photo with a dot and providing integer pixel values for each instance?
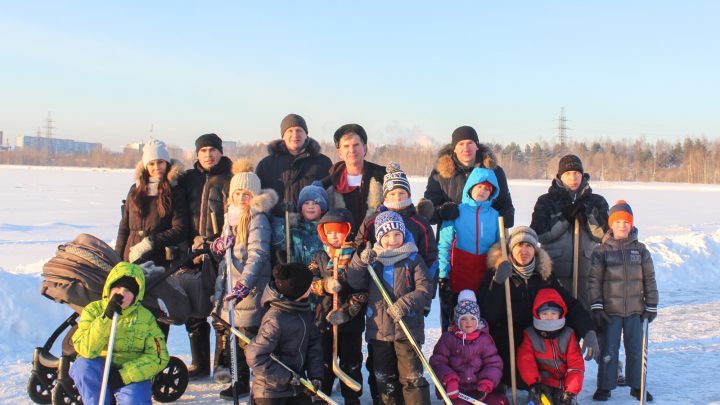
(44, 207)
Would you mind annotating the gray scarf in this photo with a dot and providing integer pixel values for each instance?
(524, 271)
(389, 257)
(397, 206)
(152, 186)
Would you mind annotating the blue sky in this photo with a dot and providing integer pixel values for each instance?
(410, 69)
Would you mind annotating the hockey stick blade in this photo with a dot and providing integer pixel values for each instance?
(468, 398)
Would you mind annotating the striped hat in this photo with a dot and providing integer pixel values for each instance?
(388, 221)
(395, 178)
(467, 305)
(621, 210)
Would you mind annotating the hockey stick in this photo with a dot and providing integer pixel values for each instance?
(544, 400)
(508, 310)
(643, 376)
(231, 318)
(346, 379)
(576, 258)
(288, 244)
(413, 343)
(108, 359)
(307, 384)
(468, 398)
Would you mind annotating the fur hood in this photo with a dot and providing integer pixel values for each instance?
(176, 170)
(277, 147)
(543, 265)
(264, 202)
(447, 168)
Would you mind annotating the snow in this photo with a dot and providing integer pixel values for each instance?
(680, 223)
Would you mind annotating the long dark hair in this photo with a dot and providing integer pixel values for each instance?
(139, 198)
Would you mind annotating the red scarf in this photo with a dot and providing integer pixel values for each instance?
(342, 185)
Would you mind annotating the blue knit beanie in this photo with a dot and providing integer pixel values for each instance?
(388, 221)
(314, 192)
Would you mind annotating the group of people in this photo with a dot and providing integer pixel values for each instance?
(292, 243)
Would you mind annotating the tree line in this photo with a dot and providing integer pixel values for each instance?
(693, 160)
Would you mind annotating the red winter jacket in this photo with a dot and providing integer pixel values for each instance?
(551, 358)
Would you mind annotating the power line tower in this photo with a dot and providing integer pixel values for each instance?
(562, 128)
(49, 126)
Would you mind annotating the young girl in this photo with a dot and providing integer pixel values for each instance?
(465, 358)
(247, 232)
(304, 240)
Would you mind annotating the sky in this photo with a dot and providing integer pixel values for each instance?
(407, 71)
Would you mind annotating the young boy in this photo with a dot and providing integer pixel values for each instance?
(465, 358)
(406, 279)
(549, 358)
(623, 293)
(333, 229)
(464, 242)
(288, 332)
(304, 241)
(139, 352)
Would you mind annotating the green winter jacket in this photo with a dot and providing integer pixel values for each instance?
(139, 352)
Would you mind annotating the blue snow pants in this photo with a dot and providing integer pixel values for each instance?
(631, 329)
(88, 373)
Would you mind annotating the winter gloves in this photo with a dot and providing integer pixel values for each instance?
(452, 386)
(115, 381)
(114, 306)
(573, 211)
(368, 255)
(448, 211)
(348, 311)
(425, 208)
(502, 272)
(591, 346)
(139, 250)
(568, 398)
(535, 393)
(601, 318)
(327, 285)
(239, 292)
(484, 387)
(395, 311)
(650, 314)
(445, 289)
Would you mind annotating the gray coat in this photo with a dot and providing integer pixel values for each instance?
(405, 277)
(622, 278)
(250, 263)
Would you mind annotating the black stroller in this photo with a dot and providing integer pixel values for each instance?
(75, 276)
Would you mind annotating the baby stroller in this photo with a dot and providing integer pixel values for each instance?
(75, 276)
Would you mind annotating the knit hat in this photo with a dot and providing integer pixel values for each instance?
(395, 178)
(339, 219)
(127, 282)
(292, 120)
(522, 234)
(388, 221)
(292, 279)
(569, 163)
(313, 192)
(621, 210)
(154, 149)
(464, 133)
(467, 305)
(350, 128)
(244, 178)
(211, 140)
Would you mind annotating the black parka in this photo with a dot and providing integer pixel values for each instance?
(207, 193)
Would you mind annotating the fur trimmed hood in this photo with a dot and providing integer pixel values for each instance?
(543, 265)
(264, 202)
(277, 147)
(176, 170)
(446, 166)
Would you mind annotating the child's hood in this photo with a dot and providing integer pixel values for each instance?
(125, 269)
(339, 216)
(546, 295)
(477, 176)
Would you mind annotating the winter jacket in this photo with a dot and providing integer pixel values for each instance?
(207, 193)
(447, 181)
(551, 358)
(556, 233)
(304, 239)
(250, 263)
(321, 269)
(491, 298)
(139, 352)
(287, 174)
(416, 224)
(405, 277)
(473, 232)
(467, 358)
(622, 277)
(360, 201)
(288, 332)
(166, 231)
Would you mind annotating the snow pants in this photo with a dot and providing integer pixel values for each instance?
(631, 329)
(409, 375)
(350, 356)
(87, 375)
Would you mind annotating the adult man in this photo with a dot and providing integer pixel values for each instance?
(206, 186)
(293, 162)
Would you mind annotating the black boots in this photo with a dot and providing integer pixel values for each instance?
(199, 334)
(635, 392)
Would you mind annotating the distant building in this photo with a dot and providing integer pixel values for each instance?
(3, 146)
(55, 145)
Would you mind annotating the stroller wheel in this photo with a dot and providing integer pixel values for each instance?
(170, 384)
(60, 396)
(39, 387)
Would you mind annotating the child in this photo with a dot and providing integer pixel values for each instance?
(464, 242)
(139, 352)
(247, 232)
(549, 358)
(304, 241)
(623, 293)
(465, 358)
(334, 227)
(288, 332)
(405, 277)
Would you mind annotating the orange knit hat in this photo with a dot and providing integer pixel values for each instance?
(621, 210)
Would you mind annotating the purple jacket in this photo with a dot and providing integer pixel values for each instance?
(470, 360)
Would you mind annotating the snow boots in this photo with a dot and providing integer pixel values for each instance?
(635, 392)
(199, 334)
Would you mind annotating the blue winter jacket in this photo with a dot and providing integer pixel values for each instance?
(476, 229)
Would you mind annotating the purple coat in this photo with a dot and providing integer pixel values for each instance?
(471, 360)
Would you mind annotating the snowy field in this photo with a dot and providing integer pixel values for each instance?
(44, 207)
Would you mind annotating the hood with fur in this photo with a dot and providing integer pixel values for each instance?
(543, 262)
(446, 166)
(176, 170)
(264, 202)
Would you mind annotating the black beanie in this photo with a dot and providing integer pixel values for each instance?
(292, 279)
(208, 140)
(569, 163)
(292, 120)
(464, 133)
(129, 283)
(350, 128)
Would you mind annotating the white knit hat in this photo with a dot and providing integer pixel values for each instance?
(244, 178)
(154, 149)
